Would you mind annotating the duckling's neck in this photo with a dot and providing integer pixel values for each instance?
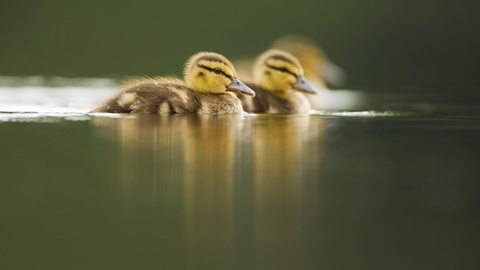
(222, 103)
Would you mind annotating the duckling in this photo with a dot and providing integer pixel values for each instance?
(278, 76)
(209, 80)
(311, 57)
(320, 71)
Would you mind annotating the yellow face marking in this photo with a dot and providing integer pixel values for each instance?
(277, 71)
(277, 75)
(278, 63)
(203, 76)
(208, 72)
(213, 64)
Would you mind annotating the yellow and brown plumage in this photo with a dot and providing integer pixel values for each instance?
(209, 80)
(278, 81)
(318, 69)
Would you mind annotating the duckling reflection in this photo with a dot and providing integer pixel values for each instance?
(284, 150)
(190, 155)
(209, 164)
(182, 168)
(149, 149)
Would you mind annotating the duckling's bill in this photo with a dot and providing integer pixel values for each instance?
(304, 86)
(239, 87)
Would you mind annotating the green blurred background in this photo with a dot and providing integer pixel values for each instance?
(383, 45)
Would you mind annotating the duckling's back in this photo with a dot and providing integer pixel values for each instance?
(171, 96)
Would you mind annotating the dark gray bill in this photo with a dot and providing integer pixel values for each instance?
(239, 87)
(304, 86)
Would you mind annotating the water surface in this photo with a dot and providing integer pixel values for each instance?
(386, 182)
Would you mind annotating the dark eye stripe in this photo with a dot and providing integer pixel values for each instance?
(213, 70)
(282, 69)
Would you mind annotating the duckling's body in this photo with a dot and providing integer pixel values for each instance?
(208, 77)
(267, 102)
(169, 96)
(278, 79)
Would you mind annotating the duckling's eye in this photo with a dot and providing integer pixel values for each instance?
(217, 70)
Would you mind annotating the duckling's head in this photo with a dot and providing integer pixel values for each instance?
(309, 54)
(278, 71)
(209, 72)
(315, 62)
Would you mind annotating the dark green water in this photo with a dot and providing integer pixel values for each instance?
(240, 192)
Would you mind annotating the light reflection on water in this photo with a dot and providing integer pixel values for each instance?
(224, 177)
(268, 192)
(368, 189)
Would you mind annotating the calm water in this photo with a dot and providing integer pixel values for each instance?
(373, 182)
